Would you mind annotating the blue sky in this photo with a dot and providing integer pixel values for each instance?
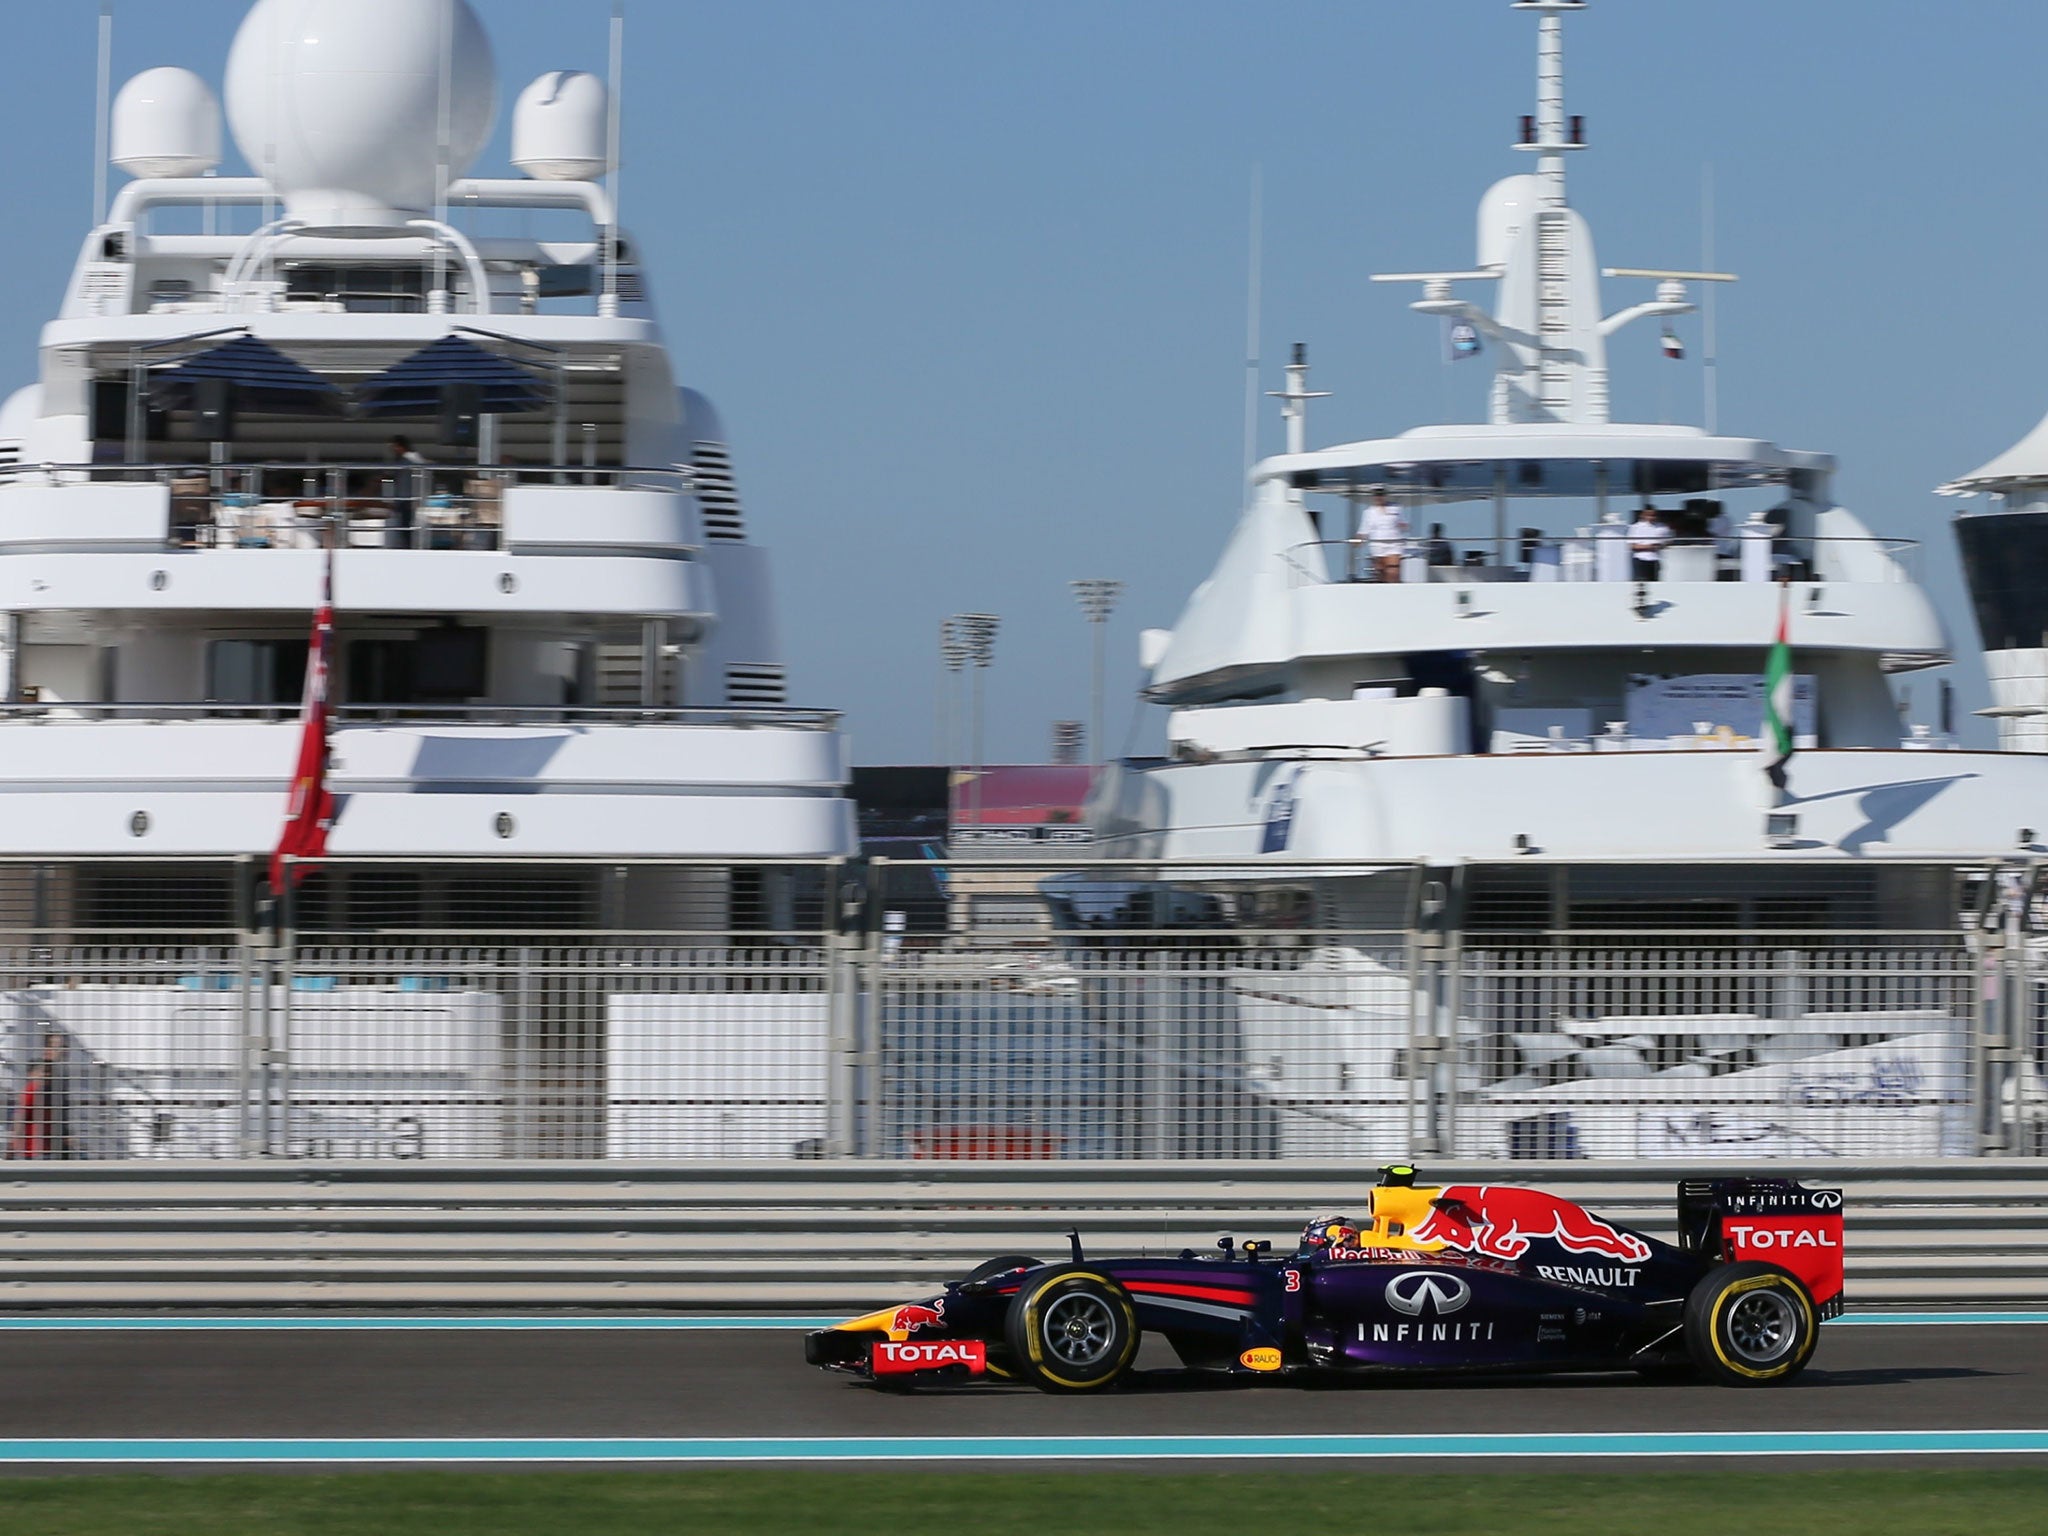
(968, 280)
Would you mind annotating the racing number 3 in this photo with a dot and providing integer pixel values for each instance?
(1293, 1279)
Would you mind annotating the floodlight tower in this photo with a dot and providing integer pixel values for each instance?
(1097, 597)
(977, 632)
(953, 653)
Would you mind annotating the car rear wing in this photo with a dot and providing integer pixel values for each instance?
(1779, 1221)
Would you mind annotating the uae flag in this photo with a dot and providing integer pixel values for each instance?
(309, 811)
(1777, 738)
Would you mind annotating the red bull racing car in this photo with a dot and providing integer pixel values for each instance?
(1449, 1278)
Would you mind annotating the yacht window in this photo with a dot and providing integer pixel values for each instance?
(110, 416)
(516, 900)
(438, 666)
(449, 665)
(186, 899)
(578, 281)
(359, 901)
(374, 290)
(255, 671)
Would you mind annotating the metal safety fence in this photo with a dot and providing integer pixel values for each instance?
(992, 1012)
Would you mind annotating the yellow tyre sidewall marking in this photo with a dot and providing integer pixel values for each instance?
(1031, 1311)
(1758, 1282)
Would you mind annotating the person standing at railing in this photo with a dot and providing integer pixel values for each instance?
(1384, 533)
(1647, 536)
(1438, 551)
(41, 1127)
(410, 462)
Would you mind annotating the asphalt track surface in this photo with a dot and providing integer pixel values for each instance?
(94, 1392)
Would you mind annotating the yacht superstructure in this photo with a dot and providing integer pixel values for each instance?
(2004, 551)
(1500, 689)
(1467, 652)
(554, 638)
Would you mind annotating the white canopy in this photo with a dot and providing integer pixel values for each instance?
(1543, 458)
(2026, 461)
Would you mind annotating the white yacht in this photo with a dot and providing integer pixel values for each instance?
(1555, 740)
(2004, 550)
(554, 652)
(554, 636)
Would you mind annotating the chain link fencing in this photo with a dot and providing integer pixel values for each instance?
(985, 1010)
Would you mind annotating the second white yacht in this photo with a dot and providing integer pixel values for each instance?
(1465, 651)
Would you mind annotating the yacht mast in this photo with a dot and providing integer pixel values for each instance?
(1295, 397)
(1556, 354)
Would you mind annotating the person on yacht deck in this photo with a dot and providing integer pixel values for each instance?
(1384, 532)
(406, 485)
(1647, 536)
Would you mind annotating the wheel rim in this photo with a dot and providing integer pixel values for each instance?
(1762, 1326)
(1079, 1330)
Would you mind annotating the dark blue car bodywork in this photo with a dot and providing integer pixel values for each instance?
(1249, 1313)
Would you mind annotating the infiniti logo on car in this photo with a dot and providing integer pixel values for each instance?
(1418, 1292)
(1827, 1199)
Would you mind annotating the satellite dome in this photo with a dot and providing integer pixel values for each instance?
(166, 123)
(561, 127)
(1508, 207)
(337, 103)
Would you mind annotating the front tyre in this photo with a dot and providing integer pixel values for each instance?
(1750, 1325)
(1071, 1330)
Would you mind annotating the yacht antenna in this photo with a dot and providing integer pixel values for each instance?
(102, 107)
(1551, 144)
(608, 304)
(444, 133)
(1295, 397)
(1251, 324)
(1710, 381)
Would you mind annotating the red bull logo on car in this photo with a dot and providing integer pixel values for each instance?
(1501, 1222)
(911, 1318)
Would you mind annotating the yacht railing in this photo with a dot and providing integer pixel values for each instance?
(1582, 558)
(779, 717)
(372, 504)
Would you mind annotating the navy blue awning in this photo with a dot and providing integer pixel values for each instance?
(265, 380)
(413, 387)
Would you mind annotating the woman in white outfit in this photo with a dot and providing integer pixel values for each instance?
(1384, 532)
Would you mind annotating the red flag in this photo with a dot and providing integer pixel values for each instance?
(309, 811)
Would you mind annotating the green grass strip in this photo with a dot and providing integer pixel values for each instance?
(1939, 1501)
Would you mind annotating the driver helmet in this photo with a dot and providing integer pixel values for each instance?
(1327, 1232)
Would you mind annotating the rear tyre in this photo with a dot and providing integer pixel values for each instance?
(1071, 1330)
(1750, 1325)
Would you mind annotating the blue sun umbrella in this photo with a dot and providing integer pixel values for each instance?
(414, 386)
(264, 380)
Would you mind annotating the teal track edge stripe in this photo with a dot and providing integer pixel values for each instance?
(1942, 1319)
(1034, 1448)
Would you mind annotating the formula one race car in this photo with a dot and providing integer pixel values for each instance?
(1456, 1278)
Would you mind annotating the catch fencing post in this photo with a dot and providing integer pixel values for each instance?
(2000, 1015)
(847, 944)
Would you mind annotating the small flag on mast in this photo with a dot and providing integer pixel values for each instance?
(1673, 347)
(309, 811)
(1777, 736)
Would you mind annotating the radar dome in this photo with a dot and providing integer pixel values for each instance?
(166, 123)
(337, 103)
(1504, 211)
(561, 127)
